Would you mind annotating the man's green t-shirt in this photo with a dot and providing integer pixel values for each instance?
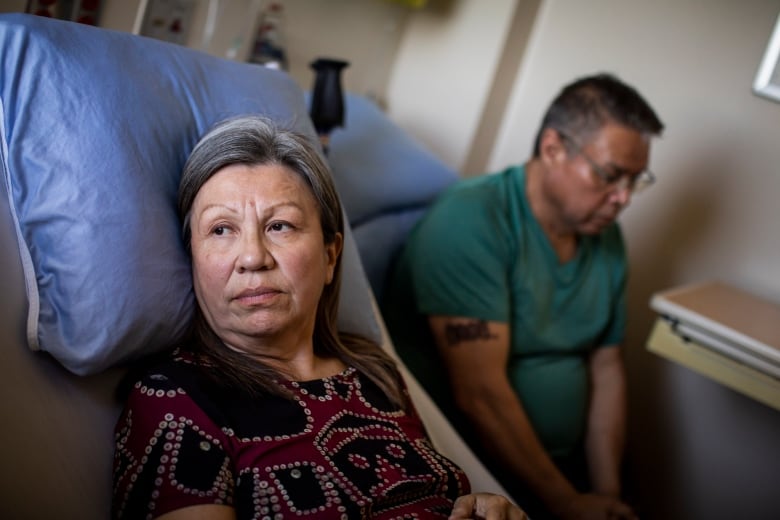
(480, 253)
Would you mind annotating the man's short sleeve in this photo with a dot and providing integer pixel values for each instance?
(458, 256)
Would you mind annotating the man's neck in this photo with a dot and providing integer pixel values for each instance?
(561, 236)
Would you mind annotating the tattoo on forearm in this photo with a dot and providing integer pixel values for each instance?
(458, 332)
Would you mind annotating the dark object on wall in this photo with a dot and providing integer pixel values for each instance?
(82, 11)
(327, 101)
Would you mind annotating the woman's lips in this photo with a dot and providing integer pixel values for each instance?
(257, 296)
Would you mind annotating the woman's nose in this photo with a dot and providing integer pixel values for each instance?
(254, 254)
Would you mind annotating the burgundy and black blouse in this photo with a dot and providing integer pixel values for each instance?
(339, 449)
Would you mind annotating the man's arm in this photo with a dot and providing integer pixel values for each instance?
(605, 438)
(476, 353)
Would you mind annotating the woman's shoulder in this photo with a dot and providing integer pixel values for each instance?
(176, 382)
(166, 392)
(169, 371)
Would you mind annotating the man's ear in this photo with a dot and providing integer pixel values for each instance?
(552, 148)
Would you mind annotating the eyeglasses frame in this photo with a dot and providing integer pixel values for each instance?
(619, 181)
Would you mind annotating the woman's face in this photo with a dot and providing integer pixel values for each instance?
(258, 256)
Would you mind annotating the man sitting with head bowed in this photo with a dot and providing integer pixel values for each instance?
(508, 303)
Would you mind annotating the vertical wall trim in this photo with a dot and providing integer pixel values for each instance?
(501, 87)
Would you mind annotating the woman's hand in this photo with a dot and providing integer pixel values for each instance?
(486, 506)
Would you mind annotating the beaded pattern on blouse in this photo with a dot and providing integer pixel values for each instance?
(339, 449)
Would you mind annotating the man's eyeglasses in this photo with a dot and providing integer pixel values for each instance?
(618, 180)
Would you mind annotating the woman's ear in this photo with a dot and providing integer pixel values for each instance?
(332, 252)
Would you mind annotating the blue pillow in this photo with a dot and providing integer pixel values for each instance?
(379, 242)
(95, 126)
(386, 179)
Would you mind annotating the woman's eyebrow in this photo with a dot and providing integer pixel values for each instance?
(217, 205)
(236, 209)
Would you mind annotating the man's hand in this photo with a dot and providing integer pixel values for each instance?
(486, 506)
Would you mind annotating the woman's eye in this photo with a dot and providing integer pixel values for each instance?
(219, 230)
(280, 226)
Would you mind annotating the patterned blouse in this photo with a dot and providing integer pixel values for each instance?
(340, 449)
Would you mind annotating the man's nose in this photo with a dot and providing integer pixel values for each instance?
(622, 190)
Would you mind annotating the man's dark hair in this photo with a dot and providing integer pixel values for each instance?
(586, 105)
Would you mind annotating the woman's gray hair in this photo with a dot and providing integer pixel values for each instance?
(256, 140)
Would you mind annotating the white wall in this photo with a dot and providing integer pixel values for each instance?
(114, 14)
(698, 450)
(119, 16)
(12, 6)
(444, 69)
(366, 33)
